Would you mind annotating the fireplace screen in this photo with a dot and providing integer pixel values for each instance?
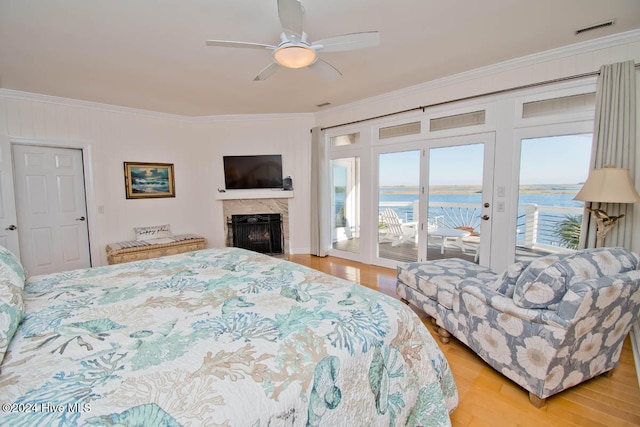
(258, 232)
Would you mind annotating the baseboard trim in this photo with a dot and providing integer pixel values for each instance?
(635, 345)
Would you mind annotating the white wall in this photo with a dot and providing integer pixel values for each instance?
(287, 135)
(113, 135)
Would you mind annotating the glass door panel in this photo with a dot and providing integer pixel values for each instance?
(345, 201)
(455, 202)
(398, 205)
(552, 171)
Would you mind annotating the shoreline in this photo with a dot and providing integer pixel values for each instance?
(476, 189)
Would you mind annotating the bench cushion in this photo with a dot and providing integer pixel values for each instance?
(136, 250)
(438, 279)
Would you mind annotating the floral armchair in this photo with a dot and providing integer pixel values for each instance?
(547, 324)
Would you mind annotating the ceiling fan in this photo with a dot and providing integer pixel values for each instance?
(294, 51)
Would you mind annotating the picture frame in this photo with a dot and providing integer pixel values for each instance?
(144, 180)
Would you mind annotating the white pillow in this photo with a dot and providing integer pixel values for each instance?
(153, 232)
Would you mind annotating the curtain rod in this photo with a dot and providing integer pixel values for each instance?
(467, 98)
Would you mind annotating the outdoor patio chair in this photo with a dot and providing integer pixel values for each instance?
(395, 230)
(470, 243)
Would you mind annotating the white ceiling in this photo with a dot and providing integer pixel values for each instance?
(151, 54)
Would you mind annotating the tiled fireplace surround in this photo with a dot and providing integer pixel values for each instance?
(259, 206)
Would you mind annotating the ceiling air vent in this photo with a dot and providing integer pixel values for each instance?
(399, 130)
(608, 23)
(457, 121)
(324, 104)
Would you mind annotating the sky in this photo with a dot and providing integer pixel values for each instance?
(549, 160)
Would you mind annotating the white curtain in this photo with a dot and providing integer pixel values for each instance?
(319, 194)
(614, 143)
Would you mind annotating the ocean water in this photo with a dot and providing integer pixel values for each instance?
(542, 195)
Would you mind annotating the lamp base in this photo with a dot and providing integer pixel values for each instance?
(604, 224)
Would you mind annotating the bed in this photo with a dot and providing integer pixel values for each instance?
(218, 337)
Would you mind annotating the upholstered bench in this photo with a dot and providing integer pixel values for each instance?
(136, 250)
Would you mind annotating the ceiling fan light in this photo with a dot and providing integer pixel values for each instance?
(295, 56)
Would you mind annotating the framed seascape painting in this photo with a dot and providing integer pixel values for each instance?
(148, 180)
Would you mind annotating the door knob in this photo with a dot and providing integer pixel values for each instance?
(11, 227)
(485, 217)
(80, 219)
(487, 205)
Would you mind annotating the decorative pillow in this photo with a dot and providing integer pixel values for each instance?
(12, 277)
(153, 232)
(541, 284)
(10, 317)
(506, 283)
(10, 268)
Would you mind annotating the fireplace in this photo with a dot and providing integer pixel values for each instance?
(256, 232)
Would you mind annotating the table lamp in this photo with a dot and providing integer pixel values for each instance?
(607, 185)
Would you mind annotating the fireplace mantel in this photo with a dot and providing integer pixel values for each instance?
(253, 194)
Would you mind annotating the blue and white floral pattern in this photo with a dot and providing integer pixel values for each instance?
(219, 337)
(547, 325)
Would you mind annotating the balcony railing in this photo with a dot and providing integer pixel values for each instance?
(537, 227)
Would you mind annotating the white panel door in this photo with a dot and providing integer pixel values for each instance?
(51, 206)
(8, 222)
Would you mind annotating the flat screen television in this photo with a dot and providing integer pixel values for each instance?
(251, 172)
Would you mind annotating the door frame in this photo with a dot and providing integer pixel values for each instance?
(532, 132)
(94, 254)
(416, 145)
(424, 145)
(360, 255)
(488, 174)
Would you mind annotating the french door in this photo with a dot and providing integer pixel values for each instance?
(441, 194)
(459, 198)
(346, 208)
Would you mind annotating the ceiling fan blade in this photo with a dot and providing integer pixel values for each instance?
(267, 72)
(226, 43)
(325, 70)
(347, 42)
(291, 15)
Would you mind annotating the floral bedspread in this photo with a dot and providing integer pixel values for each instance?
(220, 337)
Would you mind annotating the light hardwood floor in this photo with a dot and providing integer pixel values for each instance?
(486, 398)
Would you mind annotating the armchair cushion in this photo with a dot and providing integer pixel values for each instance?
(593, 263)
(545, 281)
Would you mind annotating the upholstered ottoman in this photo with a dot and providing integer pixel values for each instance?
(430, 285)
(136, 250)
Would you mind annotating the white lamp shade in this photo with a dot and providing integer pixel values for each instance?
(609, 185)
(295, 56)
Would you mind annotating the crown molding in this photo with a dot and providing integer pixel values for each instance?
(77, 103)
(96, 106)
(627, 37)
(250, 117)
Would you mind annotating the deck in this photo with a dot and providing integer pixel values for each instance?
(408, 251)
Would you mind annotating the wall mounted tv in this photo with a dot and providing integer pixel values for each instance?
(250, 172)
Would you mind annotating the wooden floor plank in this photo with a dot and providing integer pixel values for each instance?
(488, 399)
